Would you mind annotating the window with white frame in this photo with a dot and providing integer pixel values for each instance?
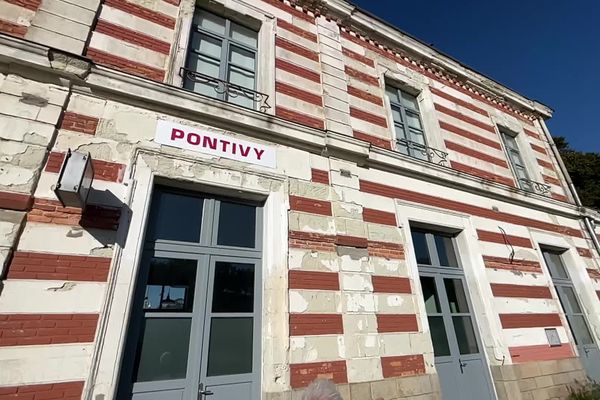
(515, 158)
(222, 59)
(408, 126)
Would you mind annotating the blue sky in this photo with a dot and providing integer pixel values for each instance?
(547, 50)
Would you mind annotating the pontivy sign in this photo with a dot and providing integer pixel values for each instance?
(204, 141)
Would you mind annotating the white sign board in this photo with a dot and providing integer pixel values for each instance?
(204, 141)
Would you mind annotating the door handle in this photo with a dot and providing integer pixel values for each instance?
(202, 392)
(462, 366)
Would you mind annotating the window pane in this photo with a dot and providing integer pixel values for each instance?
(163, 351)
(392, 94)
(203, 65)
(510, 142)
(210, 22)
(555, 265)
(397, 114)
(237, 225)
(410, 101)
(244, 35)
(465, 335)
(421, 251)
(417, 137)
(570, 298)
(445, 250)
(240, 77)
(457, 299)
(400, 134)
(233, 288)
(438, 336)
(580, 329)
(430, 296)
(170, 285)
(206, 45)
(230, 348)
(241, 57)
(175, 217)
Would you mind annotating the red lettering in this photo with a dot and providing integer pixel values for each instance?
(259, 153)
(177, 134)
(193, 138)
(234, 145)
(225, 143)
(245, 152)
(209, 142)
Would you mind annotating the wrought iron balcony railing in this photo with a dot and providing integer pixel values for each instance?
(422, 152)
(535, 187)
(228, 90)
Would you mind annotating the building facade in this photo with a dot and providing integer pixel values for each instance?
(282, 192)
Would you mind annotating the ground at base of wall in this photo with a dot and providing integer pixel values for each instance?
(541, 380)
(422, 387)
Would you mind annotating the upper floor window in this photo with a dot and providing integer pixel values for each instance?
(408, 127)
(221, 60)
(516, 160)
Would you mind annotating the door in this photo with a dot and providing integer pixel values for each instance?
(587, 347)
(459, 358)
(195, 327)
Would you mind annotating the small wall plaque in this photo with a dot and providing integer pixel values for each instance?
(553, 338)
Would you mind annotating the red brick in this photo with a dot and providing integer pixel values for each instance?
(296, 49)
(458, 101)
(351, 241)
(362, 94)
(312, 206)
(475, 154)
(387, 323)
(374, 140)
(134, 37)
(299, 118)
(464, 118)
(313, 280)
(361, 76)
(103, 170)
(315, 324)
(472, 136)
(543, 352)
(496, 237)
(32, 5)
(436, 201)
(531, 133)
(297, 70)
(319, 176)
(539, 149)
(301, 375)
(559, 197)
(79, 123)
(551, 180)
(66, 328)
(312, 241)
(360, 58)
(142, 12)
(15, 201)
(386, 250)
(584, 252)
(515, 265)
(368, 117)
(26, 265)
(390, 284)
(594, 273)
(467, 169)
(298, 93)
(403, 366)
(91, 217)
(545, 164)
(125, 65)
(379, 217)
(290, 9)
(296, 30)
(521, 291)
(12, 29)
(63, 390)
(174, 2)
(529, 320)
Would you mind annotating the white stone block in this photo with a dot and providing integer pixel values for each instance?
(53, 39)
(307, 349)
(359, 323)
(314, 301)
(364, 370)
(356, 282)
(136, 23)
(68, 11)
(128, 51)
(62, 26)
(395, 344)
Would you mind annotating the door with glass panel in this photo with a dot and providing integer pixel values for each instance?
(459, 357)
(586, 345)
(194, 332)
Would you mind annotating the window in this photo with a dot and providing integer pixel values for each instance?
(434, 249)
(408, 128)
(222, 59)
(515, 159)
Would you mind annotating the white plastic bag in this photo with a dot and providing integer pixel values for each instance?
(321, 389)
